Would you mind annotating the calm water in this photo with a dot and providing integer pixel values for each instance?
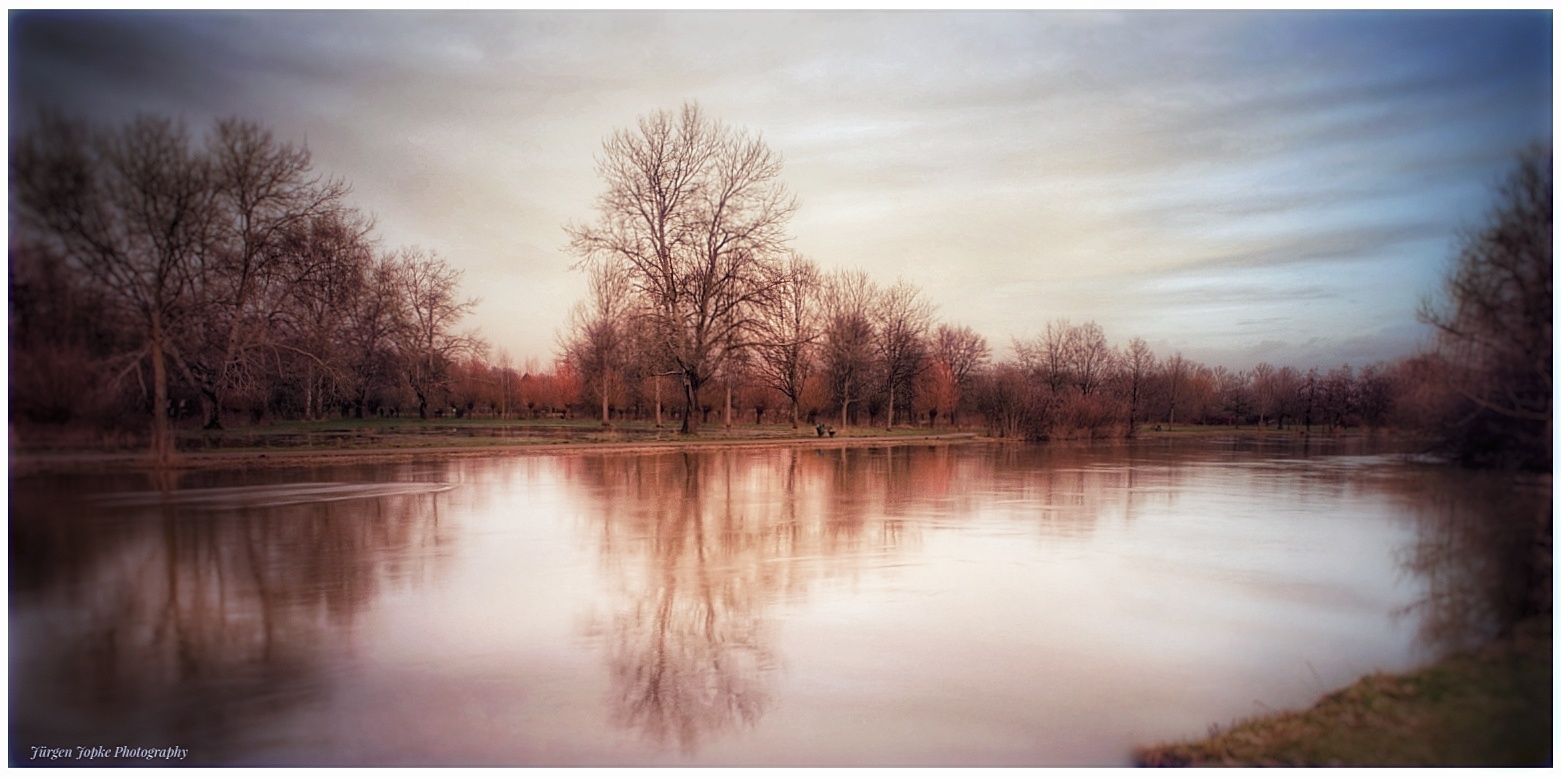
(945, 605)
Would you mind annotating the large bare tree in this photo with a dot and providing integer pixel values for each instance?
(1494, 320)
(267, 195)
(133, 208)
(696, 212)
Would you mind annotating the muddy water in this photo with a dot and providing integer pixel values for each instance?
(941, 605)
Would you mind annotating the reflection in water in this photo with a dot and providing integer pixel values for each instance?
(911, 605)
(1482, 553)
(703, 545)
(689, 654)
(176, 624)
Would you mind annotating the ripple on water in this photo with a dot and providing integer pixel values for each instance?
(269, 495)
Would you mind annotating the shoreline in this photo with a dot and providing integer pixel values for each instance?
(25, 464)
(1486, 707)
(397, 448)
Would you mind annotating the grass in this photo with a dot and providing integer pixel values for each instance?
(1486, 708)
(412, 434)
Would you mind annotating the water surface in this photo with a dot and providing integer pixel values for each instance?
(899, 606)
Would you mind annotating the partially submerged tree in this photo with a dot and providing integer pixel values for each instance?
(696, 214)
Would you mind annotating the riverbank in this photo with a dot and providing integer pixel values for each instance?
(1490, 707)
(349, 441)
(357, 443)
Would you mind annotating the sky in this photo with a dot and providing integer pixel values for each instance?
(1237, 186)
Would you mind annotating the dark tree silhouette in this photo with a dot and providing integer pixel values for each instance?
(132, 208)
(1493, 322)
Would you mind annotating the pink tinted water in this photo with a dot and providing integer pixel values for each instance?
(906, 606)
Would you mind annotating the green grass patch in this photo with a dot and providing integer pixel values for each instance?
(1486, 708)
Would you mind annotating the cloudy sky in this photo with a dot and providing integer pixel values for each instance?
(1238, 186)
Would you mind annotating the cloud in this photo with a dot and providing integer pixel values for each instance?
(1015, 164)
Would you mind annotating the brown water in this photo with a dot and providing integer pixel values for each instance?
(943, 605)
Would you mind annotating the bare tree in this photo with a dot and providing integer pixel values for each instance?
(133, 208)
(266, 194)
(849, 297)
(1233, 392)
(1138, 364)
(901, 319)
(1174, 373)
(597, 340)
(1494, 326)
(326, 274)
(1046, 356)
(964, 353)
(373, 318)
(696, 213)
(1264, 398)
(425, 336)
(1087, 356)
(1285, 387)
(785, 352)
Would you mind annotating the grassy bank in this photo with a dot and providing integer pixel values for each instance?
(1490, 707)
(387, 433)
(383, 440)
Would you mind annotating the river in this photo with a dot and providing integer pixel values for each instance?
(928, 605)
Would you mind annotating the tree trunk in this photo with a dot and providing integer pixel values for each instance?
(605, 420)
(162, 434)
(845, 401)
(890, 425)
(690, 404)
(728, 419)
(211, 408)
(658, 401)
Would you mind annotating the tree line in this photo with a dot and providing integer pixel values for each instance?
(157, 274)
(223, 279)
(842, 351)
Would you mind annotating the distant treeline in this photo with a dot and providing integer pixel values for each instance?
(223, 281)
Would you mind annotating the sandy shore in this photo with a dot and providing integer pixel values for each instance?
(41, 463)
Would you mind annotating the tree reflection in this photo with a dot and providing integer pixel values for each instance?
(703, 544)
(688, 653)
(182, 624)
(1482, 553)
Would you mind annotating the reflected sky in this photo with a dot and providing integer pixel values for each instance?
(917, 605)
